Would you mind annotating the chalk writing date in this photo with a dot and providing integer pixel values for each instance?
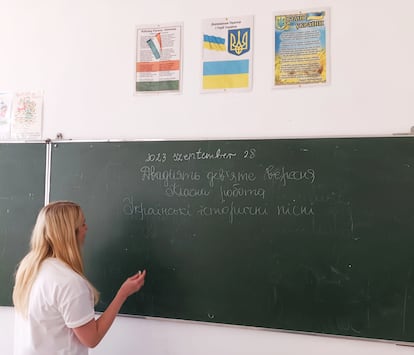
(156, 158)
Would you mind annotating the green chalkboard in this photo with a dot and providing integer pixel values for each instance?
(22, 195)
(312, 235)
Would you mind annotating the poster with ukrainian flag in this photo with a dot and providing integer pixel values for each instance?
(158, 58)
(227, 54)
(301, 48)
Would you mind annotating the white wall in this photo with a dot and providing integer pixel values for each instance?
(131, 336)
(81, 53)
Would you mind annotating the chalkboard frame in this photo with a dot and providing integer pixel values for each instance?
(338, 274)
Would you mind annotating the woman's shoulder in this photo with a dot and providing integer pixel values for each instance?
(55, 264)
(58, 271)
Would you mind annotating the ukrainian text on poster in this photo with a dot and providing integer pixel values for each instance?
(158, 59)
(300, 48)
(227, 54)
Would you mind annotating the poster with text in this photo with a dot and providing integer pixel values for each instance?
(5, 114)
(227, 54)
(158, 59)
(26, 121)
(301, 48)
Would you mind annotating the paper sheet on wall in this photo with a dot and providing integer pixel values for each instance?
(26, 121)
(5, 114)
(300, 48)
(227, 54)
(158, 59)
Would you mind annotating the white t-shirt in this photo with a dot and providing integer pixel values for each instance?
(60, 300)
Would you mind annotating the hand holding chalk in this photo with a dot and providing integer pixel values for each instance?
(132, 284)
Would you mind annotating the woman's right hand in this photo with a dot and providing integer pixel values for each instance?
(91, 333)
(132, 284)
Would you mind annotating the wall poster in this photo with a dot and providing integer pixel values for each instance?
(5, 114)
(27, 113)
(158, 59)
(301, 48)
(227, 54)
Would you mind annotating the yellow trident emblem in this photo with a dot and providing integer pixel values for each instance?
(239, 41)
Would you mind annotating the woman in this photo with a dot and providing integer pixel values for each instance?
(54, 301)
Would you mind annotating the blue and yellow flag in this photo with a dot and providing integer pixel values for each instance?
(230, 74)
(214, 43)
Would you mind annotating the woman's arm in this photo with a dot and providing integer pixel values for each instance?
(91, 333)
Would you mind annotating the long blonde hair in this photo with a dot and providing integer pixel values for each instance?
(54, 235)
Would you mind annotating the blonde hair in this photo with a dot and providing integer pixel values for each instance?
(54, 235)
